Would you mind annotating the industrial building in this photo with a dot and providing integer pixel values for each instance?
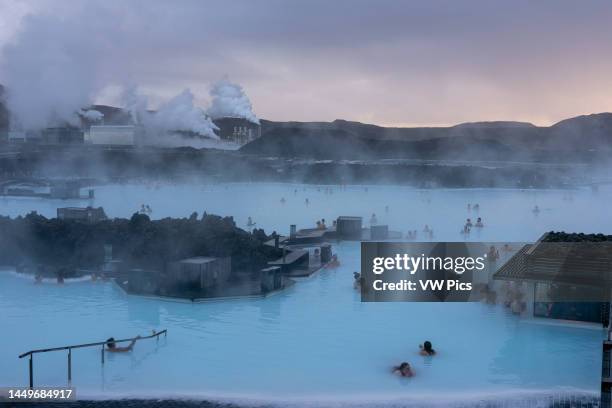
(51, 136)
(237, 130)
(20, 136)
(88, 214)
(61, 135)
(116, 135)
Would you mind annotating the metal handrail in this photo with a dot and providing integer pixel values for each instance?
(91, 344)
(69, 348)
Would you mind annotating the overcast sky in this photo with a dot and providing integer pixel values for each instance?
(385, 62)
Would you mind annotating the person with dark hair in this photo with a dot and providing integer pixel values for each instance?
(357, 280)
(426, 349)
(403, 370)
(112, 346)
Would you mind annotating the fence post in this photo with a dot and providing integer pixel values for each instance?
(69, 366)
(31, 371)
(103, 354)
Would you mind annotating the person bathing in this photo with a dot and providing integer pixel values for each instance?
(112, 346)
(403, 370)
(426, 349)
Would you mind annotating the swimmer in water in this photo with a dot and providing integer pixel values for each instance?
(373, 219)
(334, 263)
(386, 208)
(323, 226)
(307, 201)
(493, 254)
(536, 209)
(403, 370)
(112, 346)
(357, 280)
(468, 222)
(479, 223)
(469, 207)
(426, 349)
(426, 228)
(250, 222)
(282, 200)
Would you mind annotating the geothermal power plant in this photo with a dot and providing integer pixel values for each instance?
(120, 130)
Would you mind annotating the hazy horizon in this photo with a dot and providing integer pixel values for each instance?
(390, 63)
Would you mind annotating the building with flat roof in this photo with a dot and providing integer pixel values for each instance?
(349, 227)
(62, 135)
(200, 273)
(114, 135)
(87, 214)
(561, 278)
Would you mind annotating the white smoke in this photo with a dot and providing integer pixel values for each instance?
(136, 104)
(49, 72)
(229, 100)
(179, 114)
(61, 60)
(92, 115)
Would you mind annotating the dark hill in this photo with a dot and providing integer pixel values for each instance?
(343, 144)
(582, 138)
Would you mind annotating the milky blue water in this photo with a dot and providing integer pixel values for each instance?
(316, 340)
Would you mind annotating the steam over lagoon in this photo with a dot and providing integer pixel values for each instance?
(308, 204)
(335, 347)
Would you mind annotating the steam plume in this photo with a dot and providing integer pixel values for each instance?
(92, 115)
(229, 100)
(177, 114)
(58, 63)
